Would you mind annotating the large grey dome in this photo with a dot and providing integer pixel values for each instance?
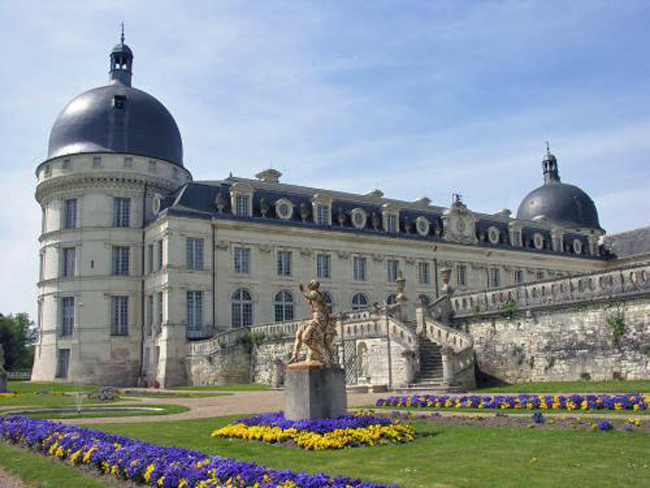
(117, 118)
(559, 203)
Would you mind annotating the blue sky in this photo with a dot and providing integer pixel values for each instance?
(414, 97)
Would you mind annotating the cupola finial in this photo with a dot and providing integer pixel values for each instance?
(121, 62)
(549, 166)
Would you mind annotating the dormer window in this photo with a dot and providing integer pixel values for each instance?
(322, 214)
(97, 162)
(152, 166)
(390, 215)
(119, 101)
(322, 210)
(242, 205)
(128, 162)
(47, 172)
(241, 199)
(67, 164)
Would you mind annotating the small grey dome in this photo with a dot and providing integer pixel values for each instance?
(117, 118)
(559, 203)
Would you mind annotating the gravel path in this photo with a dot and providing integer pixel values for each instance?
(9, 481)
(238, 403)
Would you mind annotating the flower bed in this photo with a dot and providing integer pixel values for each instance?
(318, 434)
(634, 401)
(164, 467)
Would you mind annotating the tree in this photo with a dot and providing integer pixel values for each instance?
(17, 336)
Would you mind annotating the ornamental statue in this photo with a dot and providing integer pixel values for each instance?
(317, 334)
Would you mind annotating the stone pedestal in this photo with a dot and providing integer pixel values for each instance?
(314, 392)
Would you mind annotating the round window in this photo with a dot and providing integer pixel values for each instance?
(422, 225)
(359, 218)
(494, 235)
(577, 246)
(284, 208)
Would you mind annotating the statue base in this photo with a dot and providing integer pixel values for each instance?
(314, 392)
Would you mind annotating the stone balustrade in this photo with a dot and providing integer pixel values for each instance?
(618, 283)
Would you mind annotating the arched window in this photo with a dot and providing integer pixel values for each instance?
(283, 306)
(391, 299)
(241, 305)
(359, 302)
(329, 301)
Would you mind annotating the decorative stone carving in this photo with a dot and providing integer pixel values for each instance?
(264, 207)
(220, 202)
(459, 223)
(375, 221)
(266, 248)
(343, 254)
(407, 224)
(445, 275)
(223, 245)
(341, 216)
(317, 334)
(494, 236)
(304, 212)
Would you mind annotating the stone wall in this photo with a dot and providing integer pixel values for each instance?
(228, 365)
(564, 343)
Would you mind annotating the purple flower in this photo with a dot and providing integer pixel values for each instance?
(605, 425)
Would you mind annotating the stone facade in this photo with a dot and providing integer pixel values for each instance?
(590, 327)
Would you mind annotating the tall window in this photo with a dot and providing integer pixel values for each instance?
(68, 260)
(62, 363)
(159, 255)
(519, 276)
(70, 214)
(284, 263)
(283, 306)
(121, 212)
(194, 312)
(461, 275)
(423, 273)
(149, 314)
(194, 253)
(41, 265)
(119, 315)
(359, 302)
(121, 260)
(391, 223)
(242, 260)
(67, 315)
(392, 269)
(150, 255)
(323, 266)
(241, 305)
(359, 268)
(495, 278)
(322, 215)
(159, 308)
(242, 205)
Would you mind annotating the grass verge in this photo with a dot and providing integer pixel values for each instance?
(442, 455)
(43, 472)
(563, 387)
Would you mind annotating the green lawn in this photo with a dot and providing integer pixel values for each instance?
(562, 387)
(244, 387)
(167, 410)
(28, 395)
(42, 471)
(442, 455)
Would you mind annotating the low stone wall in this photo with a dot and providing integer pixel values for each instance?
(564, 343)
(228, 365)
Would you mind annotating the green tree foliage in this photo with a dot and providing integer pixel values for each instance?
(17, 336)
